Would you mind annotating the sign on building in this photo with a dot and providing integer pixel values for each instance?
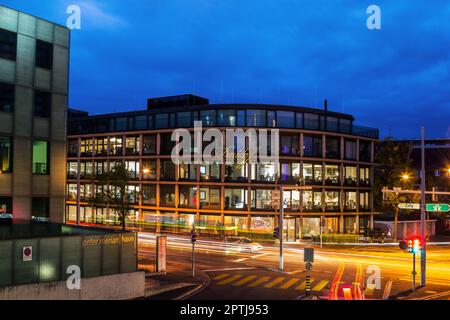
(27, 253)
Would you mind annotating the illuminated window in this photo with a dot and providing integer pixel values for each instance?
(40, 157)
(5, 155)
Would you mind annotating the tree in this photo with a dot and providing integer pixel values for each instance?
(114, 193)
(394, 170)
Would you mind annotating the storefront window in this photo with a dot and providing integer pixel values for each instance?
(262, 224)
(210, 224)
(349, 225)
(233, 224)
(332, 202)
(331, 174)
(312, 146)
(235, 198)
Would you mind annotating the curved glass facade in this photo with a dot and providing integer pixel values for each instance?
(316, 149)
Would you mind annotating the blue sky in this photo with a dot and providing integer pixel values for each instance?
(264, 51)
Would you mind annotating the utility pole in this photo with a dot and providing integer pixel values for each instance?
(423, 225)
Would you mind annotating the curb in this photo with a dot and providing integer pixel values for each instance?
(150, 292)
(205, 283)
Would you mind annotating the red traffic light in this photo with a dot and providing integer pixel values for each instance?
(412, 244)
(403, 245)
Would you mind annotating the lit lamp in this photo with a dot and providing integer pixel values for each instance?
(405, 177)
(146, 171)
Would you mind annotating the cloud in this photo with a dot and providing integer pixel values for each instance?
(99, 17)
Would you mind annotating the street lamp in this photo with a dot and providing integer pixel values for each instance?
(405, 176)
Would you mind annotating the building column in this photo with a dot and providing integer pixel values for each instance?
(341, 223)
(357, 224)
(371, 222)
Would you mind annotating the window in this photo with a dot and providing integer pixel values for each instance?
(312, 201)
(42, 104)
(167, 144)
(86, 169)
(133, 193)
(264, 172)
(333, 148)
(5, 205)
(86, 147)
(149, 170)
(332, 201)
(364, 151)
(167, 170)
(5, 155)
(149, 145)
(7, 96)
(235, 198)
(40, 157)
(262, 199)
(256, 118)
(332, 124)
(184, 119)
(209, 198)
(286, 172)
(350, 175)
(312, 173)
(364, 201)
(291, 199)
(8, 44)
(72, 148)
(161, 120)
(312, 146)
(350, 150)
(226, 118)
(289, 145)
(285, 119)
(101, 167)
(241, 118)
(167, 195)
(115, 146)
(299, 121)
(271, 122)
(345, 126)
(133, 169)
(311, 121)
(208, 117)
(364, 176)
(350, 201)
(331, 174)
(132, 145)
(187, 172)
(44, 54)
(210, 172)
(187, 196)
(149, 195)
(101, 146)
(236, 172)
(121, 124)
(140, 122)
(72, 169)
(40, 208)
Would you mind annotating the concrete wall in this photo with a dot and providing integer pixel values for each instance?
(114, 287)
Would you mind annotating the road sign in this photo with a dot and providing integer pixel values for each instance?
(27, 253)
(430, 207)
(308, 265)
(411, 206)
(308, 255)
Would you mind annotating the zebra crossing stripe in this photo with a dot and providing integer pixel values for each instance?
(320, 285)
(221, 276)
(231, 279)
(259, 281)
(243, 281)
(274, 282)
(289, 283)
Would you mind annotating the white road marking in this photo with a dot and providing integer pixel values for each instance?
(387, 290)
(229, 269)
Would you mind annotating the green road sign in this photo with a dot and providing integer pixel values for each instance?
(430, 207)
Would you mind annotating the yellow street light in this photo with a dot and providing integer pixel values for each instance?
(405, 177)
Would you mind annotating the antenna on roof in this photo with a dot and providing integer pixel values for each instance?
(325, 105)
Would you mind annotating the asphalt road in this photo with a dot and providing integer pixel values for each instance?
(344, 273)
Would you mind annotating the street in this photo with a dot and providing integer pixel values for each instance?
(338, 273)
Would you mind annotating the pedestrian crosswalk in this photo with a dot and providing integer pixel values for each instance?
(268, 282)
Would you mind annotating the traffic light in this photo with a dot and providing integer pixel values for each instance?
(193, 236)
(417, 245)
(412, 245)
(276, 232)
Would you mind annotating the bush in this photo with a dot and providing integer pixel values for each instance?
(256, 236)
(339, 238)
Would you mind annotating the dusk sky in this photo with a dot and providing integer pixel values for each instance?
(264, 51)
